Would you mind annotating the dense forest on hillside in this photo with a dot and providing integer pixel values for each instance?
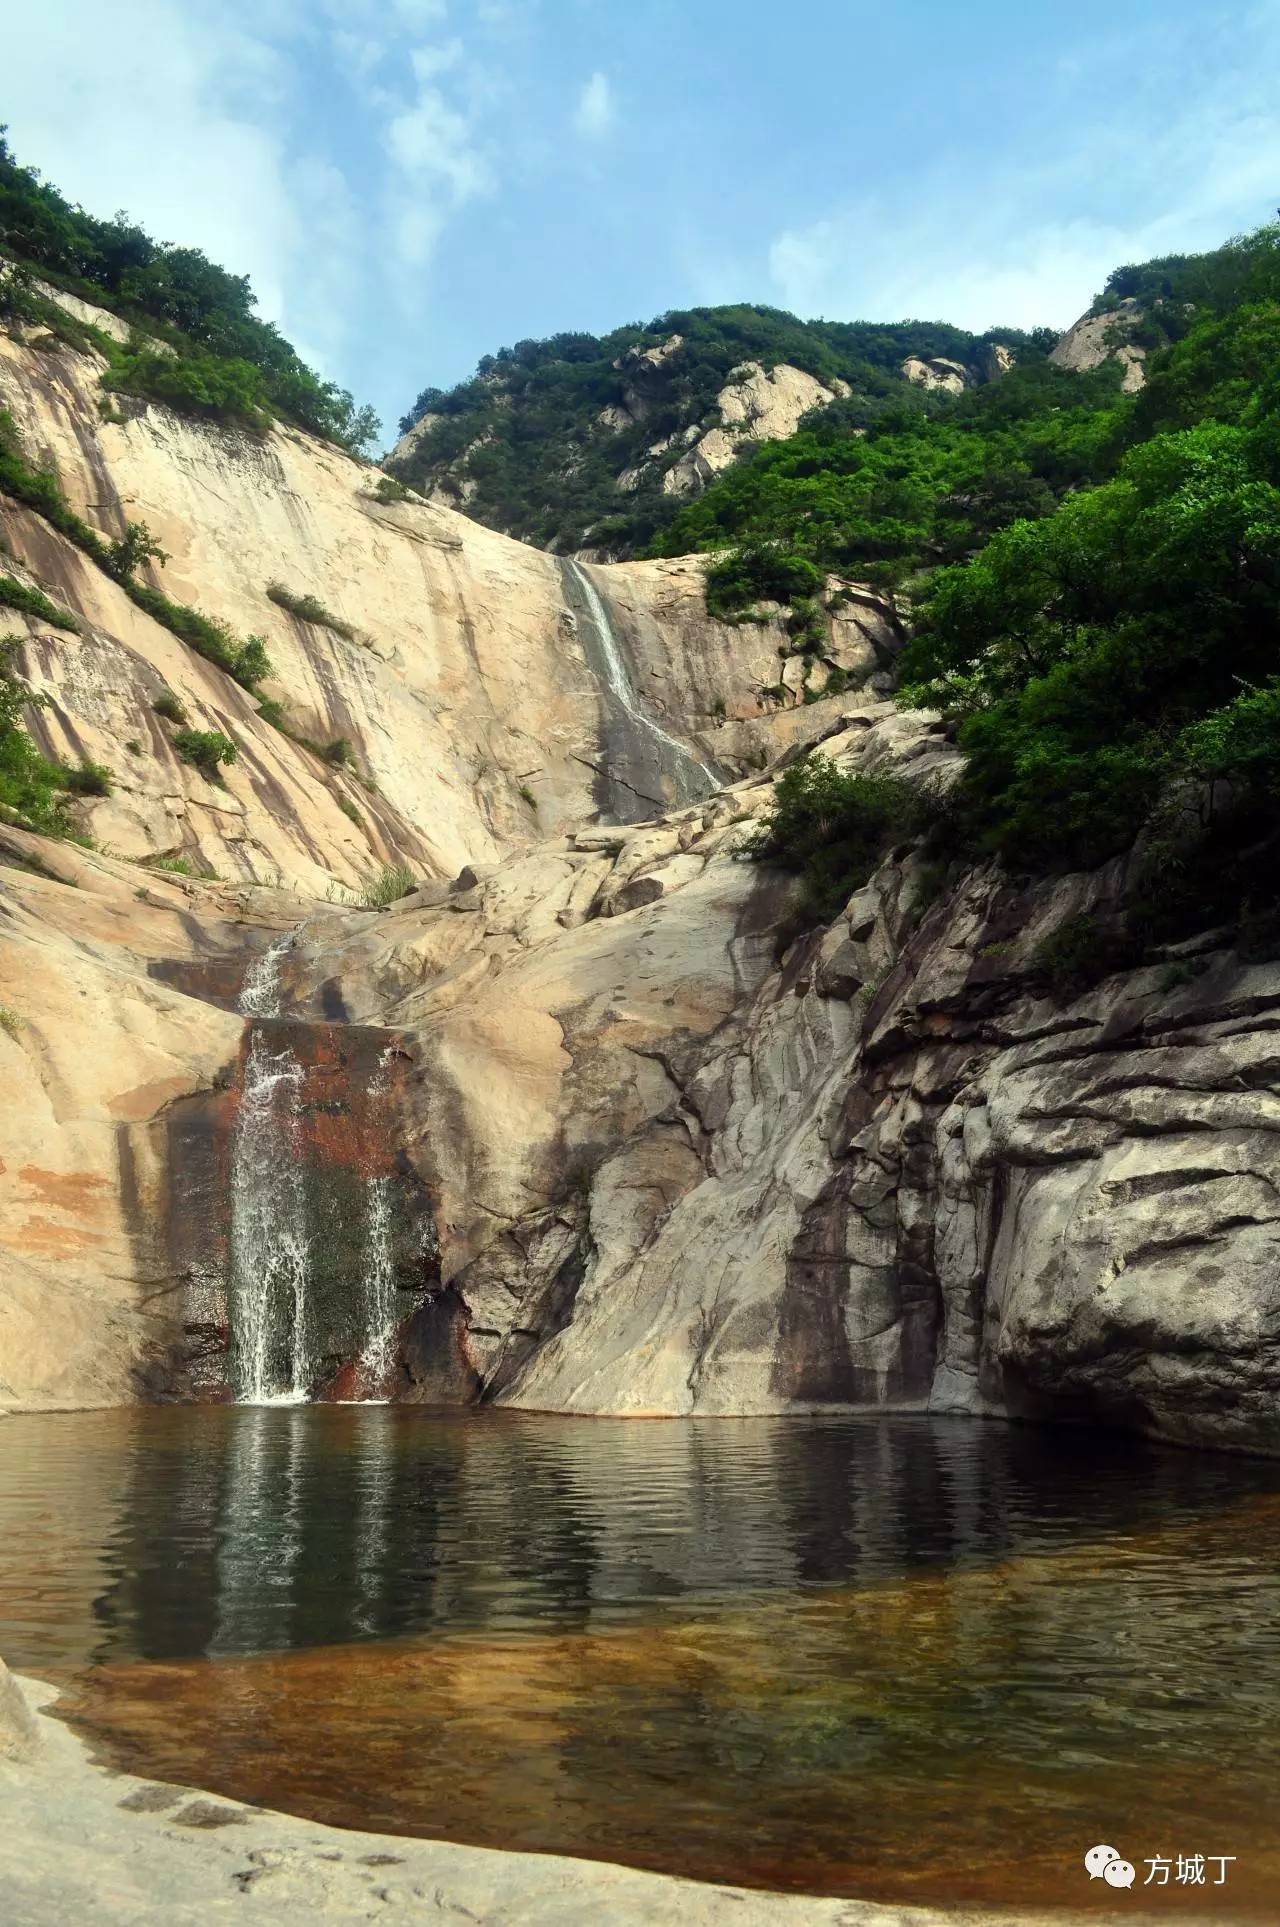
(531, 436)
(1094, 587)
(229, 364)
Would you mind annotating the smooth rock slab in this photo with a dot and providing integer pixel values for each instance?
(18, 1736)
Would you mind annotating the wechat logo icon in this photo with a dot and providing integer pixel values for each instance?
(1106, 1864)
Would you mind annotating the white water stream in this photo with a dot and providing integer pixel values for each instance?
(690, 786)
(378, 1354)
(270, 1253)
(275, 1353)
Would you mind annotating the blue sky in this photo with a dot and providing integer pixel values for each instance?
(411, 183)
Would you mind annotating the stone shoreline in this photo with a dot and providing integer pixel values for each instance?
(80, 1841)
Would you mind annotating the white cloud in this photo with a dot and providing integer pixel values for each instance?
(414, 233)
(146, 121)
(995, 243)
(437, 163)
(594, 114)
(942, 262)
(195, 121)
(431, 143)
(427, 62)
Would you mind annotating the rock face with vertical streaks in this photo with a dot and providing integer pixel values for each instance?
(447, 706)
(584, 1121)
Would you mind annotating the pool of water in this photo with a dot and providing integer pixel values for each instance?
(909, 1659)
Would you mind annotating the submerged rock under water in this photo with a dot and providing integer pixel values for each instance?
(920, 1661)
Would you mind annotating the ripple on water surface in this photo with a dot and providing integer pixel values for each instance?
(908, 1659)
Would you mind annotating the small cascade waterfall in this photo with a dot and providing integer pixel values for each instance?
(271, 1362)
(315, 1208)
(652, 746)
(377, 1356)
(260, 994)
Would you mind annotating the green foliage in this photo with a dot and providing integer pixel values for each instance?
(308, 608)
(542, 431)
(210, 386)
(932, 878)
(179, 866)
(170, 706)
(1111, 669)
(388, 489)
(10, 1022)
(1078, 952)
(761, 571)
(1184, 971)
(349, 809)
(252, 663)
(207, 749)
(21, 302)
(1239, 743)
(89, 779)
(176, 294)
(917, 489)
(206, 635)
(1177, 290)
(805, 627)
(33, 602)
(392, 881)
(1077, 651)
(136, 546)
(835, 828)
(42, 492)
(32, 790)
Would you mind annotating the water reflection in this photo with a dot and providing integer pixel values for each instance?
(920, 1660)
(222, 1531)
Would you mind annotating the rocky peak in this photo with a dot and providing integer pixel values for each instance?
(755, 405)
(942, 375)
(950, 377)
(603, 439)
(1096, 338)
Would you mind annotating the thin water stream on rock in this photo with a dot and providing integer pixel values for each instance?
(921, 1661)
(647, 766)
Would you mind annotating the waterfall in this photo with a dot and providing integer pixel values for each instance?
(378, 1354)
(260, 994)
(282, 1277)
(693, 779)
(269, 1244)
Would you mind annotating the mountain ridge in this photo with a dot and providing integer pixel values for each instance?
(584, 442)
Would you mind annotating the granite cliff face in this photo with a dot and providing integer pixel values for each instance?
(877, 1164)
(643, 1143)
(655, 1153)
(476, 709)
(756, 404)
